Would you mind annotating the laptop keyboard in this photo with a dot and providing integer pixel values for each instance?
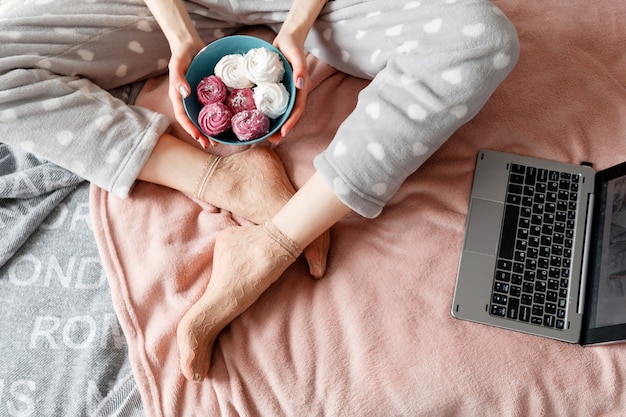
(533, 263)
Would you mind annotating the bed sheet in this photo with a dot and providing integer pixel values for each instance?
(375, 337)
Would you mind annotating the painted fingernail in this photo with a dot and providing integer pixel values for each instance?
(196, 377)
(300, 82)
(183, 91)
(201, 142)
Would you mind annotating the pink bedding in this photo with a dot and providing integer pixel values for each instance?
(375, 337)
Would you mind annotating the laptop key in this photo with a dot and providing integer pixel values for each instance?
(524, 314)
(531, 174)
(497, 310)
(518, 168)
(513, 308)
(499, 299)
(507, 242)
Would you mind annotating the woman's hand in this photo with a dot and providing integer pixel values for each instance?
(290, 41)
(179, 88)
(184, 43)
(294, 53)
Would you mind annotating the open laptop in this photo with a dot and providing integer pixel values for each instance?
(544, 250)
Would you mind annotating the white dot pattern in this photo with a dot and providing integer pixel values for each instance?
(85, 54)
(401, 118)
(64, 137)
(121, 71)
(136, 47)
(65, 113)
(8, 116)
(144, 26)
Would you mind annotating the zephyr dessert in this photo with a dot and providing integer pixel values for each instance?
(250, 124)
(211, 89)
(271, 98)
(243, 94)
(263, 66)
(214, 118)
(231, 72)
(240, 99)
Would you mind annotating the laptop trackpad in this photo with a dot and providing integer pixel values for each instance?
(483, 229)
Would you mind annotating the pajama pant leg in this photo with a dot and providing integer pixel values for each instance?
(56, 60)
(434, 64)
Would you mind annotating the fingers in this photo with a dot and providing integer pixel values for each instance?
(294, 53)
(296, 113)
(178, 90)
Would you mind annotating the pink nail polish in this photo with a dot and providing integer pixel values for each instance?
(183, 91)
(300, 82)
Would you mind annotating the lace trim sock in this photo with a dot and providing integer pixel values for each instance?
(207, 171)
(282, 239)
(246, 261)
(253, 184)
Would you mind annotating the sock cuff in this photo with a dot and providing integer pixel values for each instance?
(282, 239)
(207, 170)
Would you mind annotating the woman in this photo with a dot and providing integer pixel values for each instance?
(433, 64)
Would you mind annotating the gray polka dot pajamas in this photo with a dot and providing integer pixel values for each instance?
(433, 65)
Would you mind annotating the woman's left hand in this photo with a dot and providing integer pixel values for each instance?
(294, 53)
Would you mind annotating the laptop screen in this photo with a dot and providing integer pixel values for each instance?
(605, 310)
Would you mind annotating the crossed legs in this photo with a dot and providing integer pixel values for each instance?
(252, 184)
(246, 261)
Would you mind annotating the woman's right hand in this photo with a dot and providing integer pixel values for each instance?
(179, 88)
(185, 43)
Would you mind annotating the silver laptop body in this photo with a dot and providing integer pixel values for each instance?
(491, 217)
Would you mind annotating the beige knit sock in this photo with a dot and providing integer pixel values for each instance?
(247, 260)
(254, 184)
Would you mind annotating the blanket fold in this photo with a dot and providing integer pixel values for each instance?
(29, 190)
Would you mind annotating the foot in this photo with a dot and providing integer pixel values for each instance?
(254, 184)
(246, 261)
(316, 255)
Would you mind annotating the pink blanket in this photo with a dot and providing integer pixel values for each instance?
(375, 337)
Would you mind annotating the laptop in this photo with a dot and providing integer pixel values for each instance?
(544, 249)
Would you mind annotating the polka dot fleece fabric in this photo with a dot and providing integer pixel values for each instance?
(433, 65)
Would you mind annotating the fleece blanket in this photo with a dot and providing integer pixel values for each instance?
(375, 337)
(62, 351)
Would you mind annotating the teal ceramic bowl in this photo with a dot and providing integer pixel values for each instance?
(202, 66)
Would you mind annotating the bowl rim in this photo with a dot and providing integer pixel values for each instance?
(193, 85)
